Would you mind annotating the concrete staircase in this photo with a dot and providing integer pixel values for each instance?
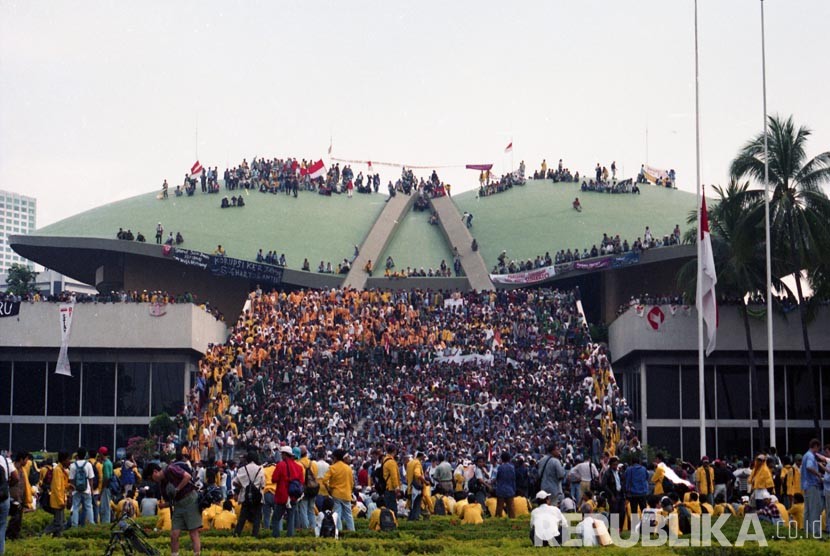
(459, 236)
(378, 238)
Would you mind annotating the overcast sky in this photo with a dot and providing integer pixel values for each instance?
(100, 101)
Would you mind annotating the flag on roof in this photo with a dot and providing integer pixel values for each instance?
(196, 170)
(316, 170)
(509, 147)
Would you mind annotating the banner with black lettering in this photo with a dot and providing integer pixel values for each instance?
(66, 312)
(9, 308)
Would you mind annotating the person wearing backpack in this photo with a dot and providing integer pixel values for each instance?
(80, 480)
(250, 482)
(383, 519)
(326, 521)
(289, 487)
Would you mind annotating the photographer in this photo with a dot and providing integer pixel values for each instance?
(177, 487)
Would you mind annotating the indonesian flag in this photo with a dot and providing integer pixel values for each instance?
(509, 147)
(316, 170)
(371, 170)
(196, 170)
(707, 304)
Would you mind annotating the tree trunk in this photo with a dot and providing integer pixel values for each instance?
(802, 313)
(753, 374)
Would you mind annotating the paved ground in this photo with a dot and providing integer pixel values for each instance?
(459, 237)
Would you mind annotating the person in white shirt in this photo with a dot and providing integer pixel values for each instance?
(546, 522)
(328, 507)
(250, 474)
(586, 471)
(82, 489)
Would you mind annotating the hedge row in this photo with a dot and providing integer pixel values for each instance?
(433, 536)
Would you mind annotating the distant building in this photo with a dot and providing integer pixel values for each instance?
(18, 214)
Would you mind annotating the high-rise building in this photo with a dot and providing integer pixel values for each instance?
(17, 217)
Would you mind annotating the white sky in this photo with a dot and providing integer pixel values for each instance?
(100, 101)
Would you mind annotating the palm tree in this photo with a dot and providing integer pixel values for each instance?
(799, 210)
(737, 242)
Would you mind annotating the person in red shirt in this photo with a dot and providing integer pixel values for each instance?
(285, 505)
(363, 475)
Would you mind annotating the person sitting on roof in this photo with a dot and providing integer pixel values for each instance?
(577, 206)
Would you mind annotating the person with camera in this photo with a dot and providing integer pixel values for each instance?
(178, 489)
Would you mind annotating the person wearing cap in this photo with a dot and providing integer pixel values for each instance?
(106, 476)
(339, 482)
(249, 474)
(760, 479)
(705, 480)
(546, 521)
(284, 505)
(790, 480)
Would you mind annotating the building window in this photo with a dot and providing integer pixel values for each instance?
(5, 389)
(62, 437)
(93, 436)
(662, 392)
(133, 389)
(168, 388)
(98, 389)
(733, 392)
(27, 438)
(29, 388)
(64, 392)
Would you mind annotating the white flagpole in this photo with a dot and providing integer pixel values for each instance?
(770, 359)
(700, 377)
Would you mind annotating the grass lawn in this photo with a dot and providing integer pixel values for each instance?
(435, 536)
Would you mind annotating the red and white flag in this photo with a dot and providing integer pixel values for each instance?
(707, 304)
(196, 170)
(371, 169)
(509, 148)
(316, 170)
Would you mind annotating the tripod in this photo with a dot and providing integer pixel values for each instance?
(129, 537)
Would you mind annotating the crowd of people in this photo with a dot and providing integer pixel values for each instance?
(613, 186)
(504, 183)
(121, 296)
(608, 245)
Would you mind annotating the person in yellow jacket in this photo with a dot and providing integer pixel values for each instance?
(522, 506)
(790, 480)
(473, 513)
(306, 505)
(268, 494)
(339, 482)
(797, 510)
(447, 501)
(392, 477)
(415, 485)
(126, 507)
(760, 479)
(225, 520)
(659, 475)
(209, 513)
(705, 480)
(164, 521)
(58, 494)
(23, 466)
(722, 507)
(374, 519)
(458, 511)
